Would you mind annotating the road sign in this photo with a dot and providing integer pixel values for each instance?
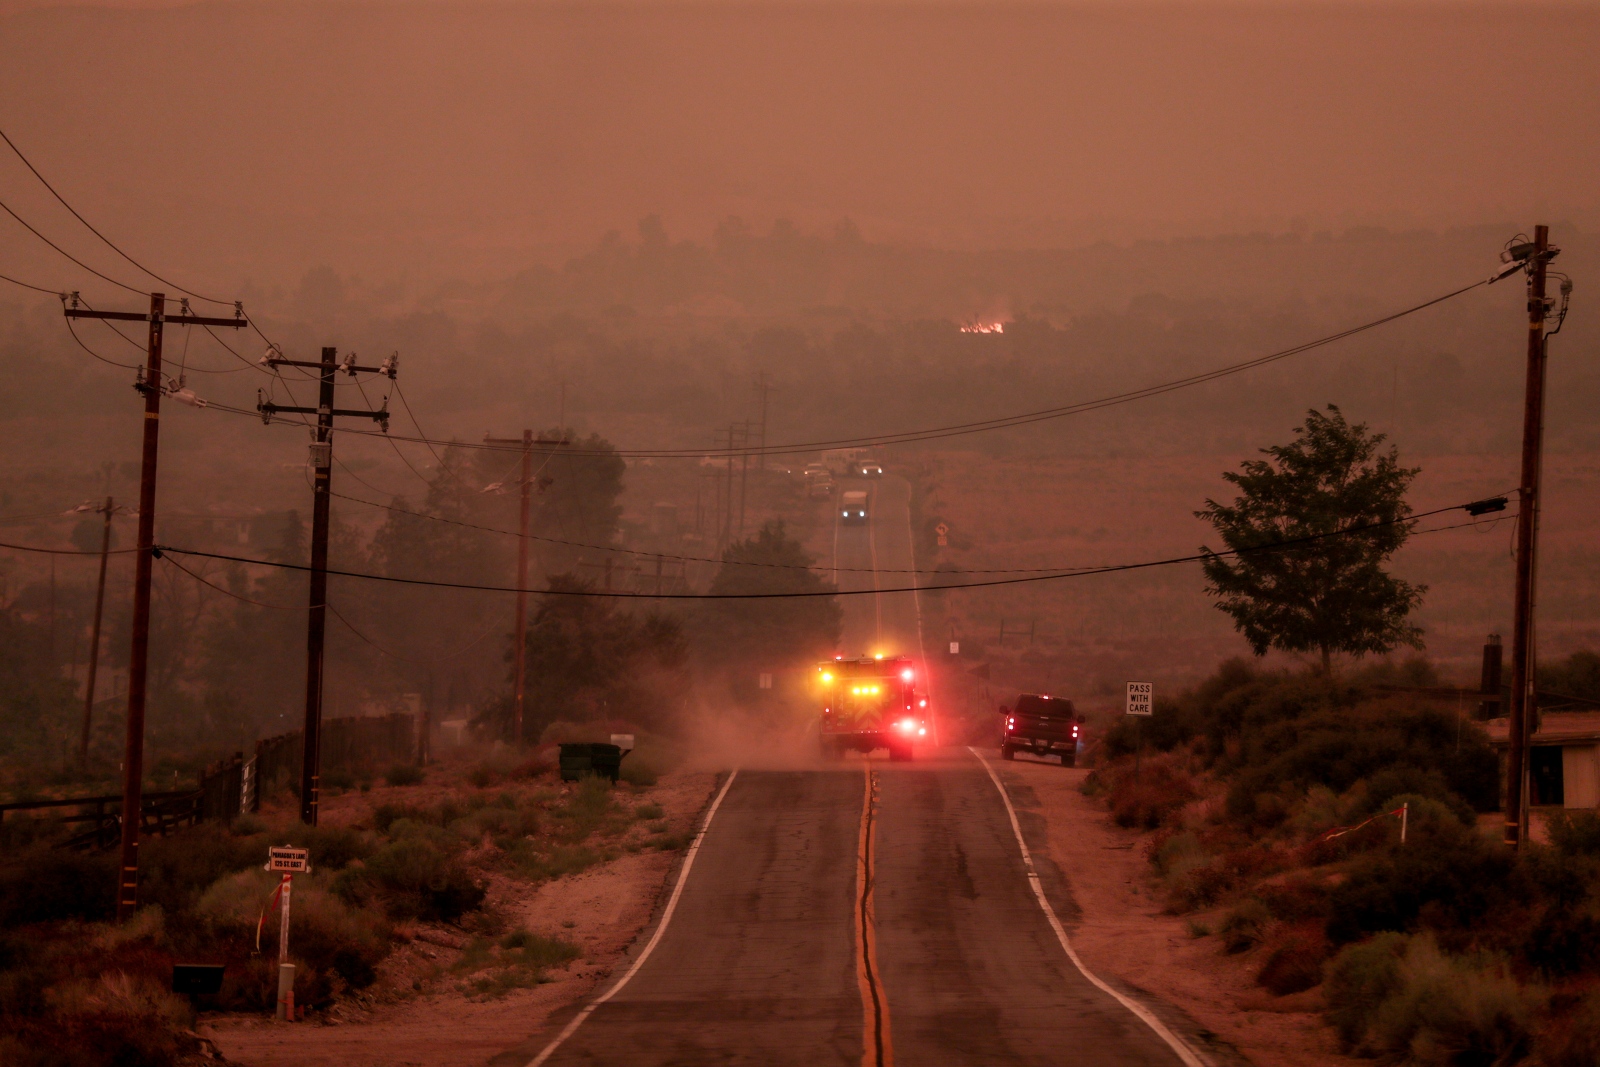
(1141, 697)
(943, 531)
(285, 858)
(766, 680)
(955, 648)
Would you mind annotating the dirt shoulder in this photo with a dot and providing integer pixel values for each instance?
(1122, 932)
(418, 1014)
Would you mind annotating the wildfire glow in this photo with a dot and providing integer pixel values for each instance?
(983, 327)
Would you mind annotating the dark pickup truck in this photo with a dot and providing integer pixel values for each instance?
(1042, 725)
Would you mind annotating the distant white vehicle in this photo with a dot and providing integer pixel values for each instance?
(853, 507)
(869, 470)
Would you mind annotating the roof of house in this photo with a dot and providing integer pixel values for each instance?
(1555, 728)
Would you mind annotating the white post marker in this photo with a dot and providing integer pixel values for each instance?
(290, 861)
(1141, 697)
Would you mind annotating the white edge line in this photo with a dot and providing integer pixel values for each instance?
(1185, 1053)
(661, 928)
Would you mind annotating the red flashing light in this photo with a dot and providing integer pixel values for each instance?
(907, 674)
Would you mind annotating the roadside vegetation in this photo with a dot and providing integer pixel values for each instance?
(75, 988)
(1443, 951)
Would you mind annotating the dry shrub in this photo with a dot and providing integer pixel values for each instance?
(1245, 926)
(1575, 833)
(1360, 979)
(1152, 796)
(114, 1019)
(1404, 999)
(1295, 963)
(1199, 885)
(42, 885)
(1575, 1040)
(333, 944)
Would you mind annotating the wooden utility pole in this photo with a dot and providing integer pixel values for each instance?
(94, 634)
(1524, 707)
(151, 386)
(519, 629)
(322, 485)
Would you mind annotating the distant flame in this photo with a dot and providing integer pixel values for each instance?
(983, 327)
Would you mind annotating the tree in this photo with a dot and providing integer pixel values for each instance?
(590, 659)
(1328, 595)
(752, 634)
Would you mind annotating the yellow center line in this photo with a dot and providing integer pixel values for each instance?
(876, 1048)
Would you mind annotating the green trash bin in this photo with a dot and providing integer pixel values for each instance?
(579, 758)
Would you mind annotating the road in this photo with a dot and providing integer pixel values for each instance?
(864, 913)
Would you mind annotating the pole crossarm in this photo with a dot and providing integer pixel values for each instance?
(348, 368)
(176, 320)
(269, 408)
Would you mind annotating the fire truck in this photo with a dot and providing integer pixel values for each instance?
(872, 702)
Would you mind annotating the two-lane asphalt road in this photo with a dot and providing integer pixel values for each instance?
(863, 912)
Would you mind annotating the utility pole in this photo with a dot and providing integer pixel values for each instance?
(1524, 705)
(151, 386)
(317, 617)
(94, 633)
(519, 630)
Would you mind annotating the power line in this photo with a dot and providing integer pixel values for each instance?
(74, 331)
(229, 592)
(998, 423)
(26, 285)
(401, 455)
(109, 243)
(69, 255)
(669, 555)
(160, 550)
(412, 416)
(62, 551)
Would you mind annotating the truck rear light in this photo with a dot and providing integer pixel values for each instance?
(922, 731)
(1010, 723)
(906, 725)
(907, 674)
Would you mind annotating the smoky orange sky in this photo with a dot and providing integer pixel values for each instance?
(435, 140)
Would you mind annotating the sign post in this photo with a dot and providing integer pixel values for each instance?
(1141, 701)
(290, 861)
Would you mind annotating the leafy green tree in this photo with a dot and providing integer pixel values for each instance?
(1576, 676)
(578, 486)
(752, 634)
(589, 659)
(1331, 594)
